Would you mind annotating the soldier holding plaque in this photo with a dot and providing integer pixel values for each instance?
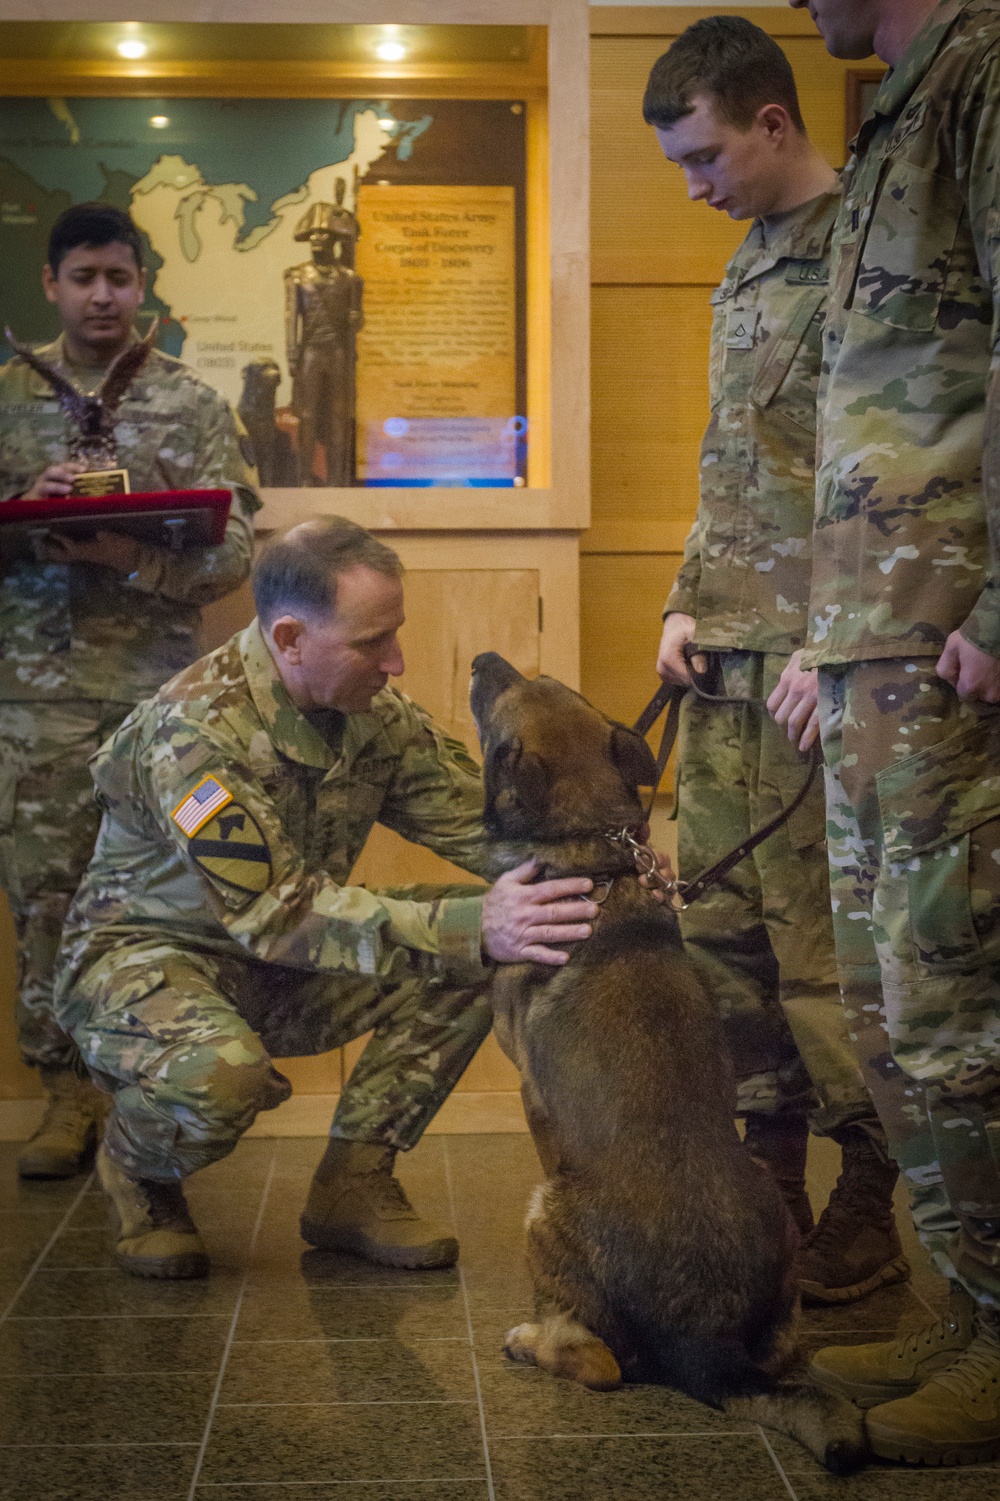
(88, 628)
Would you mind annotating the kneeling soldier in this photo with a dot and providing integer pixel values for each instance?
(214, 926)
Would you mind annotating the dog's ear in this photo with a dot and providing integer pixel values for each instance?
(632, 756)
(519, 780)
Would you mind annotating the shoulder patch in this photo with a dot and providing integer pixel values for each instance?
(232, 848)
(200, 804)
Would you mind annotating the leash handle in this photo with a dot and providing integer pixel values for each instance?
(669, 697)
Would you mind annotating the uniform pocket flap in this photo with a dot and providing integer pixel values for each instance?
(941, 793)
(782, 347)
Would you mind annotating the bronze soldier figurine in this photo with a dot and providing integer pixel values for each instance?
(322, 317)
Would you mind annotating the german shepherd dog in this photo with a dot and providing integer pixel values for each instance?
(659, 1251)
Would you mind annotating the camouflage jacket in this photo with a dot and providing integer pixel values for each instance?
(232, 824)
(73, 630)
(745, 574)
(901, 548)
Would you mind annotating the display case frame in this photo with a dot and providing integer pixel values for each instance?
(556, 496)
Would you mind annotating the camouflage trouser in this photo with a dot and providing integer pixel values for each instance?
(185, 1041)
(48, 824)
(913, 796)
(762, 941)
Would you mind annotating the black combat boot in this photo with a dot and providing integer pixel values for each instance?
(855, 1246)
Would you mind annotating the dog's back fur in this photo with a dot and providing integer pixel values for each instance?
(660, 1250)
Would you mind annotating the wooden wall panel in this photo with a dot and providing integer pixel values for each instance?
(621, 603)
(642, 226)
(650, 405)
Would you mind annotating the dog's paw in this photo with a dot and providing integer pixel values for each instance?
(521, 1343)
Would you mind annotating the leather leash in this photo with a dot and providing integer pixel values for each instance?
(668, 697)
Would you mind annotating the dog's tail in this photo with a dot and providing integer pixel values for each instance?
(719, 1373)
(831, 1428)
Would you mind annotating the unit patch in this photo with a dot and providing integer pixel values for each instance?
(232, 848)
(199, 805)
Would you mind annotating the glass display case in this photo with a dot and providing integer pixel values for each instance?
(347, 229)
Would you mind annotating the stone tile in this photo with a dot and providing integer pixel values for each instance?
(353, 1371)
(64, 1293)
(735, 1468)
(520, 1401)
(897, 1483)
(155, 1472)
(95, 1347)
(378, 1441)
(280, 1253)
(113, 1409)
(889, 1308)
(402, 1314)
(407, 1490)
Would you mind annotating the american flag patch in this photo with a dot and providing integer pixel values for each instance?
(200, 804)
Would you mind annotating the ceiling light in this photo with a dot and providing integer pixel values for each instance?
(387, 123)
(159, 122)
(132, 50)
(390, 52)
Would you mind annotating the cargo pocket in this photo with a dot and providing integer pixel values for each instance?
(940, 885)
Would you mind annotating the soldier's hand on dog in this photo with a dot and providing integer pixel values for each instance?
(793, 702)
(522, 918)
(671, 666)
(973, 673)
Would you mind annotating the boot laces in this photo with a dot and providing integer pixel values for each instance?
(164, 1203)
(65, 1113)
(388, 1194)
(946, 1325)
(975, 1371)
(829, 1232)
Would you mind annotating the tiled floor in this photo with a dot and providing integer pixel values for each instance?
(294, 1374)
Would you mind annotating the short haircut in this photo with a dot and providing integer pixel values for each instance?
(92, 224)
(738, 67)
(297, 574)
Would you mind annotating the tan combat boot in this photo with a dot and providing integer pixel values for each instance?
(158, 1237)
(73, 1121)
(779, 1143)
(855, 1247)
(870, 1374)
(356, 1205)
(954, 1418)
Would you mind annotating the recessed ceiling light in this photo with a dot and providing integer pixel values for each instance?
(390, 52)
(159, 122)
(132, 50)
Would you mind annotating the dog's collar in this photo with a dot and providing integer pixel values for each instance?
(646, 864)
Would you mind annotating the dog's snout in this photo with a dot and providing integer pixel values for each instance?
(491, 675)
(489, 665)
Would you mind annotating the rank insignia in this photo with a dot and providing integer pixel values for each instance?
(232, 848)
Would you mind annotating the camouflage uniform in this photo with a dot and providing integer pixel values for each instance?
(79, 645)
(903, 558)
(215, 926)
(763, 940)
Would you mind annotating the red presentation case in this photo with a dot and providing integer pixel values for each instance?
(163, 518)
